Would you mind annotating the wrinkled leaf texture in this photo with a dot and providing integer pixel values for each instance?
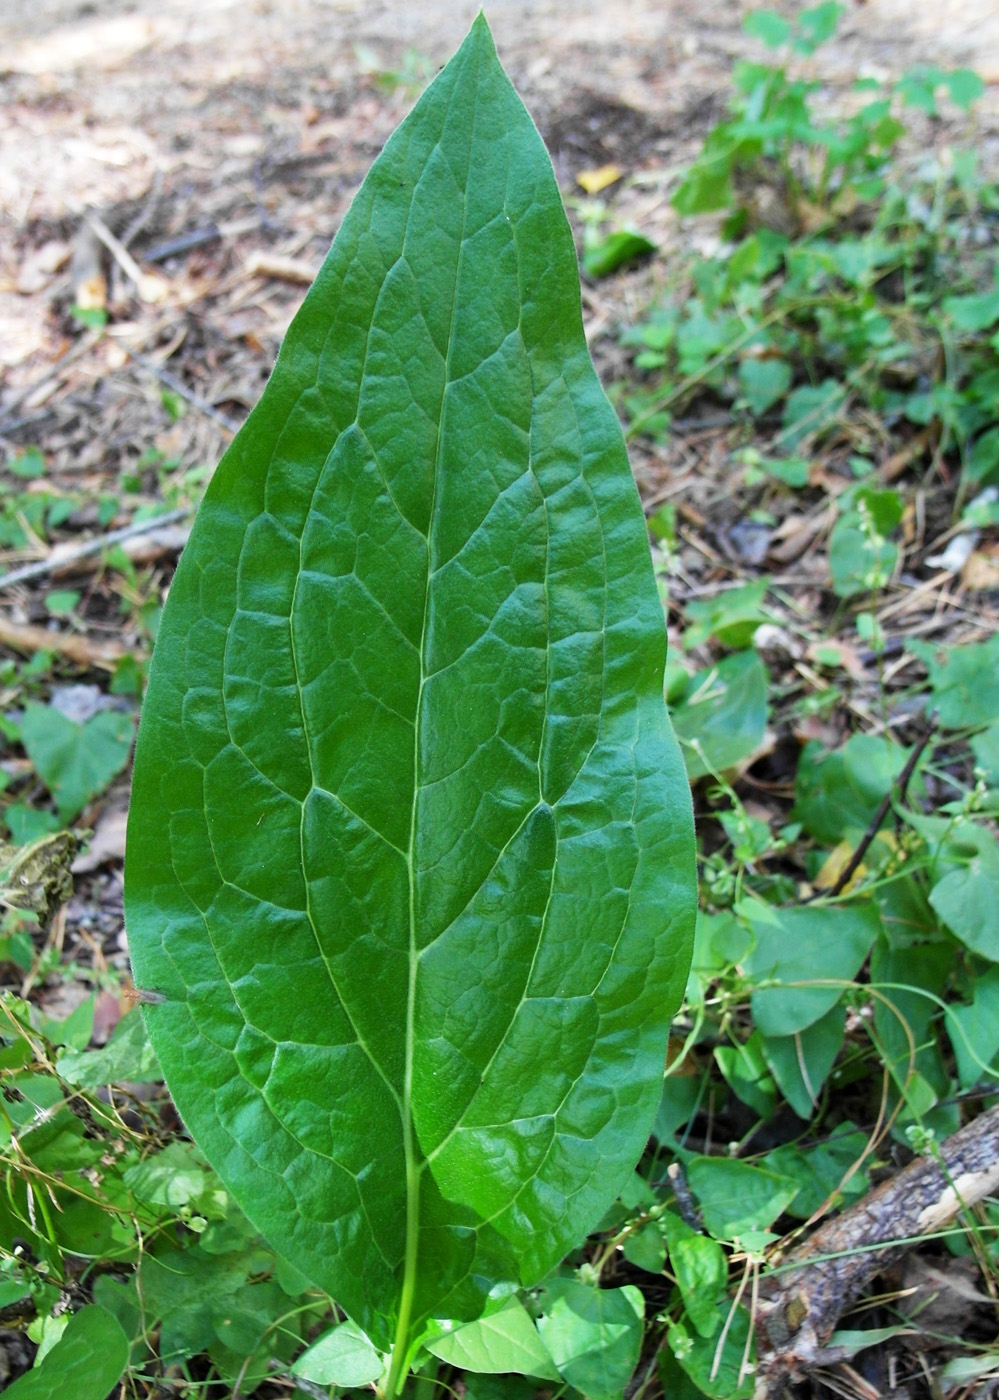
(410, 851)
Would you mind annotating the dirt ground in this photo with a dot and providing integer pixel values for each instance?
(184, 113)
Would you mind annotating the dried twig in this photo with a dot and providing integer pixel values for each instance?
(80, 649)
(179, 387)
(898, 789)
(198, 238)
(804, 1298)
(62, 556)
(150, 286)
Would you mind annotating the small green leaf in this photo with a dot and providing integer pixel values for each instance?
(735, 1197)
(188, 1292)
(861, 560)
(722, 716)
(86, 1362)
(502, 1341)
(967, 899)
(594, 1335)
(700, 1268)
(822, 1169)
(810, 409)
(763, 382)
(746, 1072)
(27, 824)
(61, 602)
(731, 617)
(13, 1290)
(613, 250)
(767, 26)
(76, 762)
(807, 946)
(174, 1177)
(816, 25)
(646, 1248)
(985, 747)
(965, 87)
(974, 1031)
(695, 1360)
(963, 681)
(975, 313)
(837, 794)
(28, 464)
(680, 1096)
(801, 1063)
(127, 1055)
(342, 1356)
(905, 1017)
(707, 186)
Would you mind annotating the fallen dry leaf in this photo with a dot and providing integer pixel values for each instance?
(593, 181)
(981, 572)
(39, 267)
(836, 653)
(106, 844)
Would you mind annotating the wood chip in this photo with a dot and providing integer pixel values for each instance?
(282, 269)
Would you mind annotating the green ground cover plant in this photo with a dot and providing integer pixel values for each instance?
(841, 1012)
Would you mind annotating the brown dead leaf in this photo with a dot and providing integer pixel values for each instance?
(940, 1300)
(106, 844)
(836, 653)
(39, 267)
(826, 731)
(896, 464)
(981, 572)
(796, 533)
(833, 866)
(108, 1011)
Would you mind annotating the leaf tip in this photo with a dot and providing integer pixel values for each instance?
(481, 32)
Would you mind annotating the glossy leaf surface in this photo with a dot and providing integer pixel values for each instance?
(410, 857)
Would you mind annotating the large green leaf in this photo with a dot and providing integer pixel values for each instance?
(410, 856)
(86, 1361)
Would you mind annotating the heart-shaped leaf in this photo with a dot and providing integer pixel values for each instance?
(410, 857)
(594, 1335)
(502, 1342)
(342, 1356)
(75, 761)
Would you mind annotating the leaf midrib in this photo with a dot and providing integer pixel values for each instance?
(413, 1166)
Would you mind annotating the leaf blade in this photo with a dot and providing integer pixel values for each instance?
(391, 685)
